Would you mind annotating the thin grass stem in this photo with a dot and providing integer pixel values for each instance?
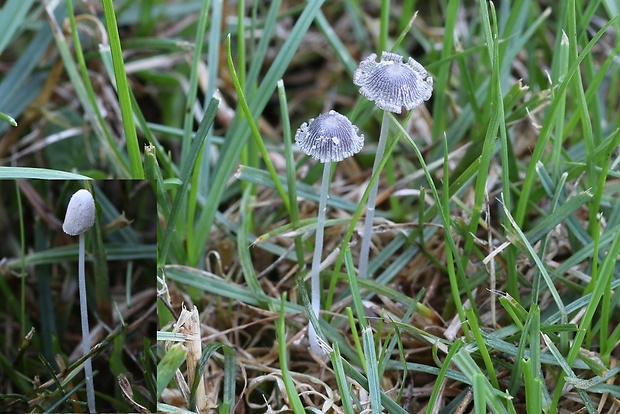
(287, 378)
(290, 171)
(385, 24)
(22, 271)
(8, 118)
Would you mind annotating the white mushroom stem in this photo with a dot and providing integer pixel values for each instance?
(362, 268)
(315, 278)
(79, 218)
(88, 368)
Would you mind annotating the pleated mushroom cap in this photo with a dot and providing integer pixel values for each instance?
(329, 137)
(391, 83)
(80, 213)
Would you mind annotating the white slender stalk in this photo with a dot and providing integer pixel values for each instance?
(315, 278)
(362, 268)
(88, 368)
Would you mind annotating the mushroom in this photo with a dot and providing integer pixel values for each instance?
(391, 84)
(79, 218)
(330, 137)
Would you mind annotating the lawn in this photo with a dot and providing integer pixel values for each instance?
(463, 257)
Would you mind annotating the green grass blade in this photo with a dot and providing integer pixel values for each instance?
(255, 132)
(170, 362)
(122, 86)
(243, 246)
(484, 352)
(190, 99)
(374, 386)
(199, 139)
(439, 382)
(290, 171)
(12, 20)
(229, 370)
(260, 53)
(291, 391)
(341, 380)
(30, 173)
(467, 366)
(540, 266)
(533, 388)
(480, 405)
(7, 118)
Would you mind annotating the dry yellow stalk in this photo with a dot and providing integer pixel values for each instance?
(189, 325)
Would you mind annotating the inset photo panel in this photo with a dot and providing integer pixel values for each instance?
(78, 319)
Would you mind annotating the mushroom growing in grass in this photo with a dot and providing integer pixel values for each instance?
(79, 218)
(391, 84)
(330, 137)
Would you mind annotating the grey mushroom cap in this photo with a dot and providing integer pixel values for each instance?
(329, 137)
(392, 83)
(80, 213)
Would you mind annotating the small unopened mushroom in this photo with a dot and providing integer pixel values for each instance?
(390, 84)
(79, 218)
(328, 137)
(80, 213)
